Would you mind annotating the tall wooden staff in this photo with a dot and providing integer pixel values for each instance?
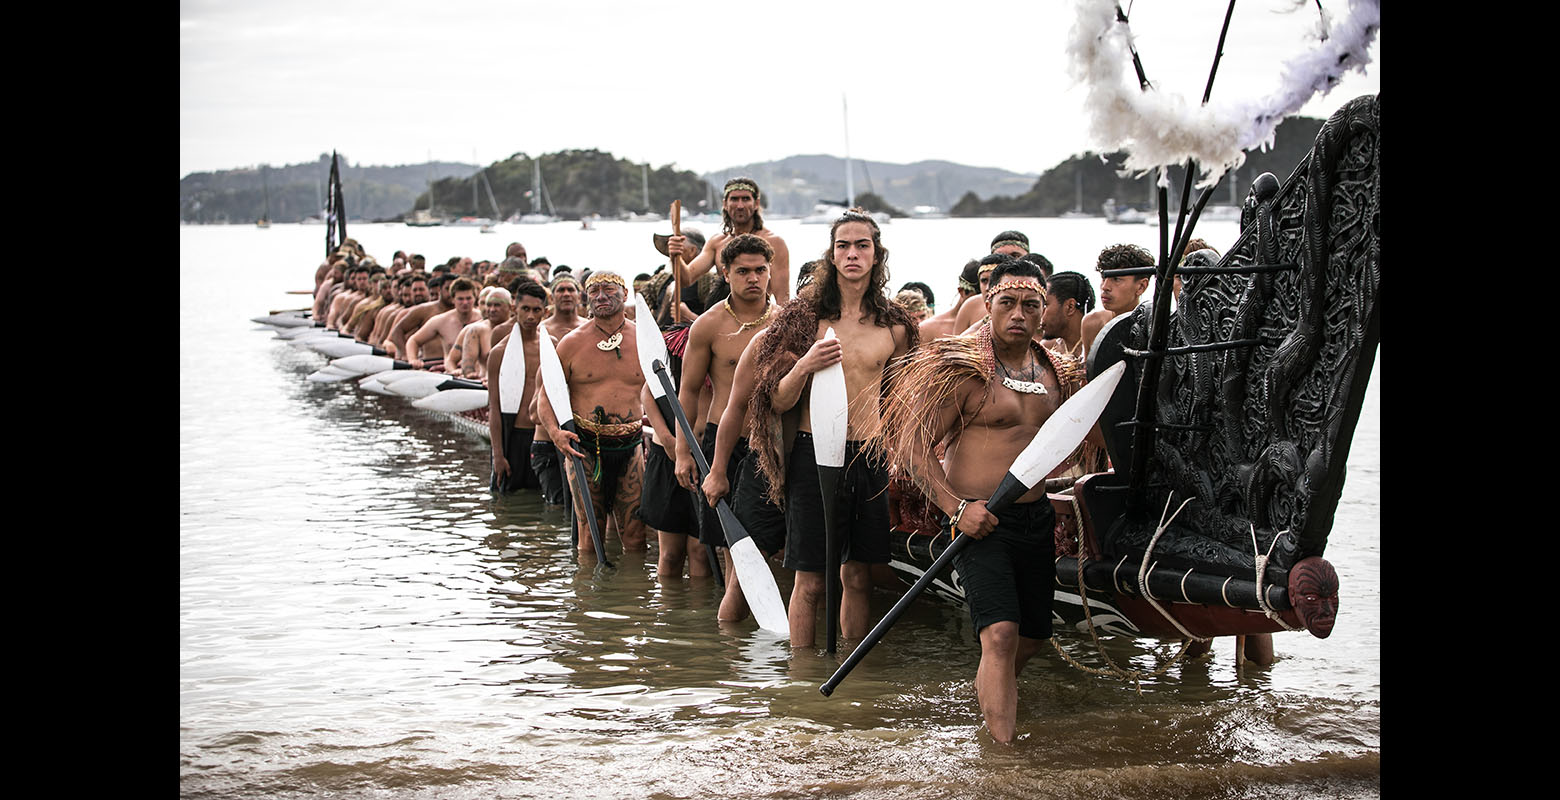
(677, 265)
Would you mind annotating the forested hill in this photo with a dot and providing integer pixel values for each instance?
(584, 182)
(1056, 192)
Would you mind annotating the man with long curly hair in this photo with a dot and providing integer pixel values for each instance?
(872, 334)
(740, 213)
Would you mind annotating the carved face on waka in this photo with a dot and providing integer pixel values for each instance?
(1313, 589)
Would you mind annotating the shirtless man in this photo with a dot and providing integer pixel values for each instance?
(716, 341)
(405, 299)
(1120, 294)
(382, 293)
(601, 365)
(417, 294)
(476, 340)
(942, 324)
(419, 314)
(513, 434)
(990, 392)
(872, 332)
(443, 328)
(356, 289)
(566, 307)
(740, 213)
(974, 310)
(1068, 297)
(1007, 243)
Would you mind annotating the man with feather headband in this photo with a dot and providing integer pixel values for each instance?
(873, 333)
(987, 393)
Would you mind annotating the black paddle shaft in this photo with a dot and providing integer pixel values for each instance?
(829, 490)
(582, 488)
(733, 529)
(1007, 492)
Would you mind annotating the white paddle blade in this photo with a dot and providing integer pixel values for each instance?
(376, 387)
(553, 382)
(513, 372)
(454, 400)
(421, 384)
(362, 364)
(1060, 434)
(328, 375)
(395, 375)
(377, 377)
(339, 348)
(284, 321)
(304, 333)
(651, 346)
(827, 406)
(759, 588)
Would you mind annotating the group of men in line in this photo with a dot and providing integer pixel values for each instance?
(945, 401)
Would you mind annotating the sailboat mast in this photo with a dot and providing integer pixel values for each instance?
(850, 184)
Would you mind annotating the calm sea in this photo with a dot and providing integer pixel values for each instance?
(358, 617)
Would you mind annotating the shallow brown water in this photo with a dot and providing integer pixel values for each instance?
(360, 618)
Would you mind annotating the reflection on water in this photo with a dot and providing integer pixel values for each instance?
(359, 617)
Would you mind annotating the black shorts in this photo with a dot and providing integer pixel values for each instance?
(547, 463)
(764, 521)
(1010, 575)
(862, 507)
(516, 447)
(663, 504)
(710, 531)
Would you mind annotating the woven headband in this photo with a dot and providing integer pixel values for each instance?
(739, 186)
(604, 277)
(966, 286)
(1016, 283)
(1006, 242)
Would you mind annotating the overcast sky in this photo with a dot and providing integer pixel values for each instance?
(704, 85)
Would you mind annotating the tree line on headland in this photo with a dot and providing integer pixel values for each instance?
(588, 182)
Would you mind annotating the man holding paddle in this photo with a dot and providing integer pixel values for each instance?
(988, 393)
(715, 344)
(741, 213)
(872, 331)
(600, 363)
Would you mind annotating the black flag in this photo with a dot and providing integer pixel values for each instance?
(335, 210)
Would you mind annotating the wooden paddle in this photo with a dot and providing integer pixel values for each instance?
(1055, 440)
(677, 265)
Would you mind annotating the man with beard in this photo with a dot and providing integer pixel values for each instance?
(988, 393)
(475, 340)
(715, 343)
(601, 366)
(1120, 294)
(514, 435)
(419, 314)
(379, 325)
(443, 328)
(382, 293)
(872, 332)
(414, 294)
(740, 213)
(356, 289)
